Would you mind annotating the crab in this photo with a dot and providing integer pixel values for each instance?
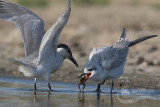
(83, 77)
(82, 81)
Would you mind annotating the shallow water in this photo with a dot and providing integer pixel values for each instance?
(20, 93)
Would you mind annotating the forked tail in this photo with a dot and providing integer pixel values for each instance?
(16, 62)
(26, 69)
(132, 43)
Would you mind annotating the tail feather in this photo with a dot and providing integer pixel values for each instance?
(132, 43)
(26, 69)
(16, 62)
(123, 33)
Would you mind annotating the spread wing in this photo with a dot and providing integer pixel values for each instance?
(30, 25)
(112, 56)
(49, 42)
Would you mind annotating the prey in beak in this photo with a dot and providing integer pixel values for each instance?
(83, 78)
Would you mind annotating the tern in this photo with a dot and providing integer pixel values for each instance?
(108, 62)
(42, 54)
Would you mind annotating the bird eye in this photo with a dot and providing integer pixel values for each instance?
(90, 69)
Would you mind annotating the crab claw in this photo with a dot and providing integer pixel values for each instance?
(80, 75)
(84, 85)
(82, 81)
(79, 86)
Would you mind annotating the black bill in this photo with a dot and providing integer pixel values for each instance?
(73, 60)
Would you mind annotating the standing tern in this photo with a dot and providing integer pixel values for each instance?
(108, 62)
(42, 54)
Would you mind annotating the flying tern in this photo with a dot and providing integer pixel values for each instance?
(42, 54)
(108, 62)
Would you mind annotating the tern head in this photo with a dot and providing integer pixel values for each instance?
(92, 71)
(65, 52)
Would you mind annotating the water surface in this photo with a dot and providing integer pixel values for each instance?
(20, 93)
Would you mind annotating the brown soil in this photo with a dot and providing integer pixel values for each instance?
(96, 26)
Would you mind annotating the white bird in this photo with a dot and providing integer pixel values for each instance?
(42, 54)
(108, 62)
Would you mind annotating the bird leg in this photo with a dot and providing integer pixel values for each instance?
(49, 86)
(35, 84)
(47, 77)
(99, 86)
(112, 86)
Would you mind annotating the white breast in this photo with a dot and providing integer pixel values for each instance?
(50, 65)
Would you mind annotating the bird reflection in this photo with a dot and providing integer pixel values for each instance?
(81, 99)
(82, 102)
(35, 96)
(98, 96)
(45, 103)
(111, 100)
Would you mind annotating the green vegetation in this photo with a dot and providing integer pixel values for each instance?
(156, 6)
(33, 3)
(101, 2)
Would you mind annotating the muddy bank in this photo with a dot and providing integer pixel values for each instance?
(95, 26)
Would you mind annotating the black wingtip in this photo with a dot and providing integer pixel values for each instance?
(141, 40)
(68, 9)
(123, 33)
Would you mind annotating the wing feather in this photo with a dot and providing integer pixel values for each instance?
(31, 26)
(49, 42)
(112, 56)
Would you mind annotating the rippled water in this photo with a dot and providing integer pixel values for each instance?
(20, 93)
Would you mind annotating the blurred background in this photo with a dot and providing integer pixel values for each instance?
(94, 23)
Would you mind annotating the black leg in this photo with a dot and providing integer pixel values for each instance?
(35, 84)
(112, 86)
(99, 86)
(49, 86)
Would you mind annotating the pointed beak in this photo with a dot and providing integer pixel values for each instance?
(73, 60)
(87, 75)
